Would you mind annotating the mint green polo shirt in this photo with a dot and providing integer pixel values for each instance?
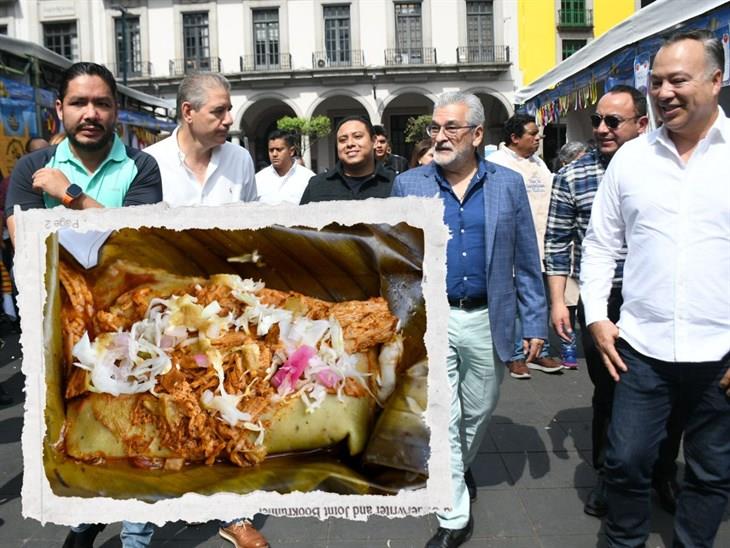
(108, 185)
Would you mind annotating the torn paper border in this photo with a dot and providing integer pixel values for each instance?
(39, 502)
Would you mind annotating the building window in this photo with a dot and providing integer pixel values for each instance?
(337, 34)
(3, 30)
(573, 13)
(266, 38)
(129, 48)
(409, 36)
(571, 46)
(479, 31)
(196, 41)
(61, 38)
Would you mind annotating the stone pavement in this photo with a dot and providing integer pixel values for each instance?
(533, 473)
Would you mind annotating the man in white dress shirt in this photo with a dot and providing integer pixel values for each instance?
(197, 164)
(199, 167)
(284, 180)
(666, 195)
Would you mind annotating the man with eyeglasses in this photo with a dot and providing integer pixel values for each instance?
(665, 196)
(518, 152)
(620, 117)
(493, 267)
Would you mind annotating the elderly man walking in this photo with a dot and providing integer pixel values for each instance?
(493, 266)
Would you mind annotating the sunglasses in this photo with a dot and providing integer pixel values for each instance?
(611, 120)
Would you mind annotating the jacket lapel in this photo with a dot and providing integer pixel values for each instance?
(492, 192)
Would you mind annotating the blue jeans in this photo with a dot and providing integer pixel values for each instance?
(642, 403)
(133, 535)
(518, 353)
(474, 379)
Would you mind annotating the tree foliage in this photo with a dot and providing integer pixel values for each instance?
(315, 128)
(416, 128)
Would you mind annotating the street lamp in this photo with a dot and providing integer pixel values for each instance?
(125, 47)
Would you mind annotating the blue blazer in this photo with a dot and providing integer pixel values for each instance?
(514, 275)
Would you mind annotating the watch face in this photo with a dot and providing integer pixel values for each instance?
(74, 191)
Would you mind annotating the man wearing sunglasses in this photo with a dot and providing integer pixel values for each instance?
(665, 196)
(620, 117)
(492, 268)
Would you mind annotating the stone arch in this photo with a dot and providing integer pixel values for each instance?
(257, 118)
(407, 103)
(316, 106)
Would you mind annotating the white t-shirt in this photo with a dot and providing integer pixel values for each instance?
(273, 188)
(229, 177)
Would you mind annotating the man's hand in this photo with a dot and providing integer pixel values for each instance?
(532, 348)
(605, 334)
(51, 181)
(725, 382)
(560, 318)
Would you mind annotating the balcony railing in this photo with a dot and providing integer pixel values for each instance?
(255, 62)
(575, 18)
(410, 56)
(135, 69)
(194, 64)
(338, 58)
(482, 54)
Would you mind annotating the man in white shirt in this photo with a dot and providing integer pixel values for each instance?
(665, 195)
(199, 167)
(518, 152)
(284, 180)
(197, 164)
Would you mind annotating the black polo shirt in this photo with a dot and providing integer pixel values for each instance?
(334, 185)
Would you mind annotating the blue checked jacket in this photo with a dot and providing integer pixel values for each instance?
(514, 277)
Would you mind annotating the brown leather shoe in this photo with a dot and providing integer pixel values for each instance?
(546, 365)
(243, 534)
(518, 369)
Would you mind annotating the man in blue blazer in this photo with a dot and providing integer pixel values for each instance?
(493, 267)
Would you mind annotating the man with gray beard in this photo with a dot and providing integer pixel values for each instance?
(493, 267)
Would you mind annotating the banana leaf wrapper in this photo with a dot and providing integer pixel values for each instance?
(336, 263)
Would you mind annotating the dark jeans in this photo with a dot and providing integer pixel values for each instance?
(603, 388)
(644, 398)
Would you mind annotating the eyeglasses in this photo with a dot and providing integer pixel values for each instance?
(432, 130)
(611, 120)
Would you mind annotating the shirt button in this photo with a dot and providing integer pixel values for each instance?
(462, 231)
(465, 278)
(463, 253)
(461, 209)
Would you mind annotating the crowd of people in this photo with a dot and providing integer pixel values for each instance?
(642, 218)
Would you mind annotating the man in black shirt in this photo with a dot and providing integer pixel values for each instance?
(356, 175)
(383, 154)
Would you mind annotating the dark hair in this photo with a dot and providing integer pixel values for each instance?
(637, 97)
(379, 130)
(714, 52)
(285, 135)
(419, 149)
(86, 69)
(515, 125)
(356, 118)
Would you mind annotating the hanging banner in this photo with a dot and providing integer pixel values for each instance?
(18, 117)
(642, 62)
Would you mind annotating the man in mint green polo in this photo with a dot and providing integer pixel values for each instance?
(91, 167)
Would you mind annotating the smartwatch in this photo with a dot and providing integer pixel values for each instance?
(73, 192)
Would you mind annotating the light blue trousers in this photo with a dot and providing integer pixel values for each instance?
(474, 378)
(133, 535)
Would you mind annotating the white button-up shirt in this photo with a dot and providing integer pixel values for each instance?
(675, 219)
(274, 189)
(229, 177)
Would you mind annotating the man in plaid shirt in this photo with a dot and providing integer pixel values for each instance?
(620, 116)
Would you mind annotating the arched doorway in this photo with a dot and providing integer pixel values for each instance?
(258, 120)
(495, 115)
(395, 118)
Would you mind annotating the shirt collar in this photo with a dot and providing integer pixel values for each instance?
(507, 150)
(339, 171)
(483, 167)
(214, 155)
(117, 153)
(720, 129)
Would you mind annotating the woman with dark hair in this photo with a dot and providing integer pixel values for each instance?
(422, 153)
